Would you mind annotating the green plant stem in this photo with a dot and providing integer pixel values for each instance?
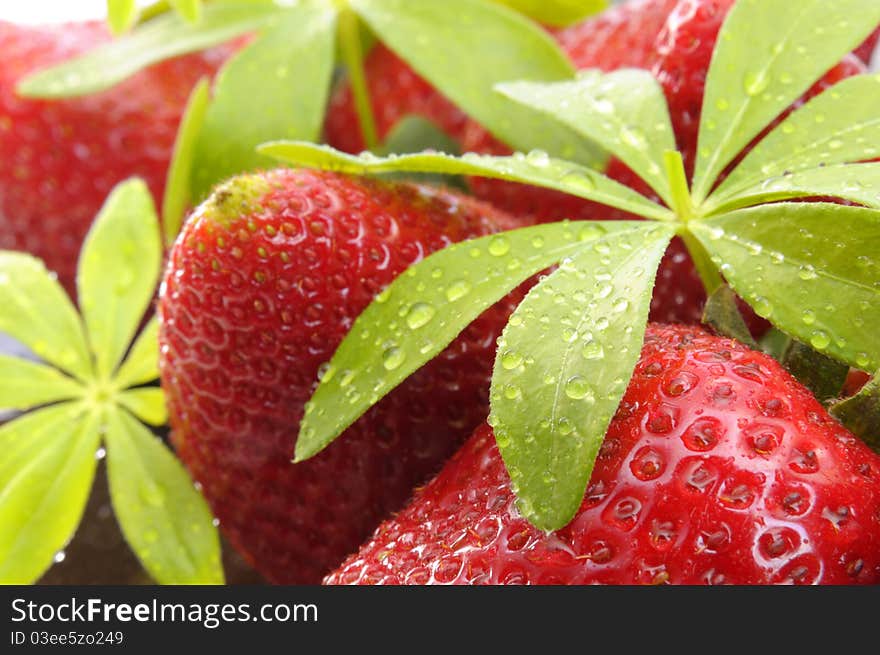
(707, 271)
(352, 56)
(681, 197)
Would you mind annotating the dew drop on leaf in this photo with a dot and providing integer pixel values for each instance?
(499, 246)
(577, 388)
(538, 158)
(419, 315)
(511, 360)
(820, 340)
(392, 358)
(457, 290)
(808, 317)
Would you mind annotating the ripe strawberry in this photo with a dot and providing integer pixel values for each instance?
(262, 284)
(717, 468)
(61, 158)
(395, 90)
(866, 51)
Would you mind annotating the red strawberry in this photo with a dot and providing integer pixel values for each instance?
(717, 468)
(395, 91)
(262, 285)
(61, 158)
(866, 50)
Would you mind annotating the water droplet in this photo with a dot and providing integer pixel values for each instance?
(634, 137)
(458, 290)
(756, 83)
(511, 360)
(863, 360)
(808, 316)
(593, 350)
(419, 315)
(762, 306)
(578, 180)
(512, 392)
(499, 246)
(820, 340)
(807, 272)
(392, 358)
(538, 158)
(577, 388)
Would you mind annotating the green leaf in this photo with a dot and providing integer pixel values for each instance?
(121, 15)
(564, 362)
(855, 182)
(766, 57)
(819, 373)
(37, 312)
(179, 178)
(841, 125)
(414, 133)
(118, 271)
(437, 298)
(164, 519)
(142, 364)
(161, 38)
(537, 169)
(811, 268)
(25, 384)
(45, 476)
(190, 10)
(861, 413)
(283, 80)
(624, 112)
(556, 12)
(147, 403)
(723, 316)
(464, 48)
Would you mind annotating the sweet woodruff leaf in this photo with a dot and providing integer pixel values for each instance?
(190, 10)
(766, 57)
(164, 519)
(178, 181)
(142, 364)
(564, 362)
(118, 271)
(25, 384)
(556, 12)
(38, 313)
(160, 38)
(625, 112)
(295, 53)
(121, 14)
(49, 456)
(421, 312)
(859, 183)
(839, 126)
(491, 44)
(810, 268)
(45, 475)
(535, 168)
(147, 403)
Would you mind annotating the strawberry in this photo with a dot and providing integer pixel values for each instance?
(718, 467)
(61, 158)
(263, 283)
(396, 90)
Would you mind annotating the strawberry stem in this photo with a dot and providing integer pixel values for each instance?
(352, 56)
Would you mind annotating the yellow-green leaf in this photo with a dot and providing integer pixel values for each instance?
(25, 384)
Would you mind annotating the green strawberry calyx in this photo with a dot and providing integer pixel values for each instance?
(566, 356)
(92, 392)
